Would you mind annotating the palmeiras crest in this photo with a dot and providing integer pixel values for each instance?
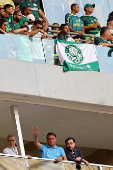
(74, 54)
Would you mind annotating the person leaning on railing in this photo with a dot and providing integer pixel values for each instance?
(65, 28)
(74, 154)
(49, 151)
(104, 38)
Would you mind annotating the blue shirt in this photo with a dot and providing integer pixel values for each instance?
(51, 153)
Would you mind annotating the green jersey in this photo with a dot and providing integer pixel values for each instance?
(23, 20)
(99, 40)
(75, 22)
(33, 4)
(9, 20)
(14, 26)
(88, 21)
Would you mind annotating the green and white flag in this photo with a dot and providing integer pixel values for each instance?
(77, 56)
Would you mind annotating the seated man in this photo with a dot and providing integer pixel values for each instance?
(104, 38)
(9, 15)
(72, 153)
(75, 22)
(4, 2)
(11, 149)
(49, 151)
(91, 23)
(36, 10)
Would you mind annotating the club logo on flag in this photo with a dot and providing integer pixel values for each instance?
(74, 54)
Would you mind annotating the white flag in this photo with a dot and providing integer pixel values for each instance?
(77, 56)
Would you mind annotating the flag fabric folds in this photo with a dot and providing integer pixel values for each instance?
(77, 56)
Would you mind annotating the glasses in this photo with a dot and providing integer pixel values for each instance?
(39, 27)
(5, 25)
(11, 140)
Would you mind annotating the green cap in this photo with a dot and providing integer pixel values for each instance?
(87, 5)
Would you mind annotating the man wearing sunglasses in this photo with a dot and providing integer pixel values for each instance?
(11, 149)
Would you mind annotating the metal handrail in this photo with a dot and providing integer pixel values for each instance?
(71, 33)
(48, 160)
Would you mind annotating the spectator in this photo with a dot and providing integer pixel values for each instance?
(37, 26)
(111, 15)
(30, 19)
(62, 35)
(17, 16)
(9, 15)
(3, 26)
(91, 23)
(72, 153)
(17, 7)
(110, 24)
(54, 35)
(24, 30)
(65, 28)
(11, 149)
(2, 13)
(50, 151)
(75, 22)
(104, 37)
(36, 10)
(26, 10)
(4, 2)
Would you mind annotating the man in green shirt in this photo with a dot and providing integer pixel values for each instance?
(17, 16)
(36, 10)
(104, 37)
(9, 15)
(75, 22)
(91, 23)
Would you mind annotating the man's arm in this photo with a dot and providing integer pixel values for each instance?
(35, 134)
(106, 45)
(59, 159)
(32, 33)
(86, 162)
(95, 25)
(62, 156)
(44, 18)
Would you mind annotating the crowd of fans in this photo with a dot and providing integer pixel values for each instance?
(27, 18)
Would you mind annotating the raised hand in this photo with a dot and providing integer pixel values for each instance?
(35, 131)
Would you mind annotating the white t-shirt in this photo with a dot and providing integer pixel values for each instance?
(11, 151)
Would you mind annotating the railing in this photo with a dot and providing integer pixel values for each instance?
(21, 47)
(71, 33)
(11, 162)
